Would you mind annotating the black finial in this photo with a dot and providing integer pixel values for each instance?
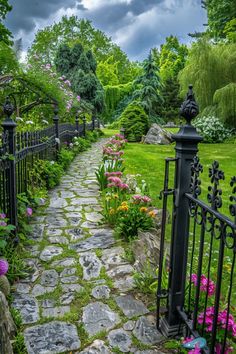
(56, 109)
(8, 107)
(189, 108)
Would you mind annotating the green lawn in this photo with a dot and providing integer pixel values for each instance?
(149, 161)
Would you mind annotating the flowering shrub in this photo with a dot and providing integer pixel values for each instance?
(211, 129)
(131, 217)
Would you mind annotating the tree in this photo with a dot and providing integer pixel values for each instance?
(79, 67)
(80, 32)
(148, 88)
(135, 121)
(107, 72)
(219, 13)
(171, 59)
(5, 34)
(211, 69)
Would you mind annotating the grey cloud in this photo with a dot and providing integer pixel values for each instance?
(25, 13)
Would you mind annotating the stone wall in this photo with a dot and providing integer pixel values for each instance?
(7, 327)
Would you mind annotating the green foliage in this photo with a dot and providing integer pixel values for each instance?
(79, 67)
(212, 130)
(230, 30)
(5, 34)
(144, 279)
(18, 342)
(113, 97)
(65, 158)
(49, 171)
(172, 58)
(17, 268)
(211, 69)
(172, 101)
(135, 122)
(219, 13)
(80, 144)
(129, 221)
(148, 88)
(8, 61)
(107, 72)
(75, 31)
(5, 231)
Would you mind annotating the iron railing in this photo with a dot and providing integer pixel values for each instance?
(20, 150)
(200, 298)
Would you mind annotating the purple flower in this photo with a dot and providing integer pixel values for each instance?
(78, 98)
(2, 216)
(29, 211)
(3, 266)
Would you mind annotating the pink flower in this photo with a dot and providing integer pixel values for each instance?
(29, 211)
(2, 216)
(146, 199)
(78, 98)
(3, 266)
(3, 223)
(194, 279)
(206, 285)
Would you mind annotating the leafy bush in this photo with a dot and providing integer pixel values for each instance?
(80, 144)
(135, 122)
(211, 129)
(48, 172)
(65, 158)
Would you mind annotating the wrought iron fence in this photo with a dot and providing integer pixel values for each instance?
(200, 298)
(20, 150)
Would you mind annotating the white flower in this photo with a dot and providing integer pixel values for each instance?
(19, 119)
(29, 122)
(52, 162)
(57, 140)
(44, 121)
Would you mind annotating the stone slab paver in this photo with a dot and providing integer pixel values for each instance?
(98, 317)
(70, 251)
(53, 337)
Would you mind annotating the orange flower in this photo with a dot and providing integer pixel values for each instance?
(152, 214)
(143, 209)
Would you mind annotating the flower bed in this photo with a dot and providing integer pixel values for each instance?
(123, 209)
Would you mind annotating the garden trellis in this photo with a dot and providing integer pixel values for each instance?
(198, 299)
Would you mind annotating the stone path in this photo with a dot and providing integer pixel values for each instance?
(79, 295)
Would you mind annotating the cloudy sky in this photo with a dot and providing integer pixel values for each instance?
(135, 25)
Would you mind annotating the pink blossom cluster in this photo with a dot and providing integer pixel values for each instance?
(221, 320)
(206, 285)
(218, 349)
(3, 217)
(111, 152)
(141, 198)
(113, 174)
(119, 136)
(117, 183)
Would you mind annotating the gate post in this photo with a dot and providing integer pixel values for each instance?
(186, 148)
(56, 124)
(9, 127)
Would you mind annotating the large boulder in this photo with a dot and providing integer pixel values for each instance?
(158, 135)
(7, 327)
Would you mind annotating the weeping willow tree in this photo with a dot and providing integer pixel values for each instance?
(113, 95)
(211, 68)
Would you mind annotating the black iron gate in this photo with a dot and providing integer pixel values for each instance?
(200, 298)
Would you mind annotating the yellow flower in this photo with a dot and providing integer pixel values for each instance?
(152, 214)
(115, 196)
(123, 207)
(124, 204)
(112, 211)
(108, 198)
(143, 209)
